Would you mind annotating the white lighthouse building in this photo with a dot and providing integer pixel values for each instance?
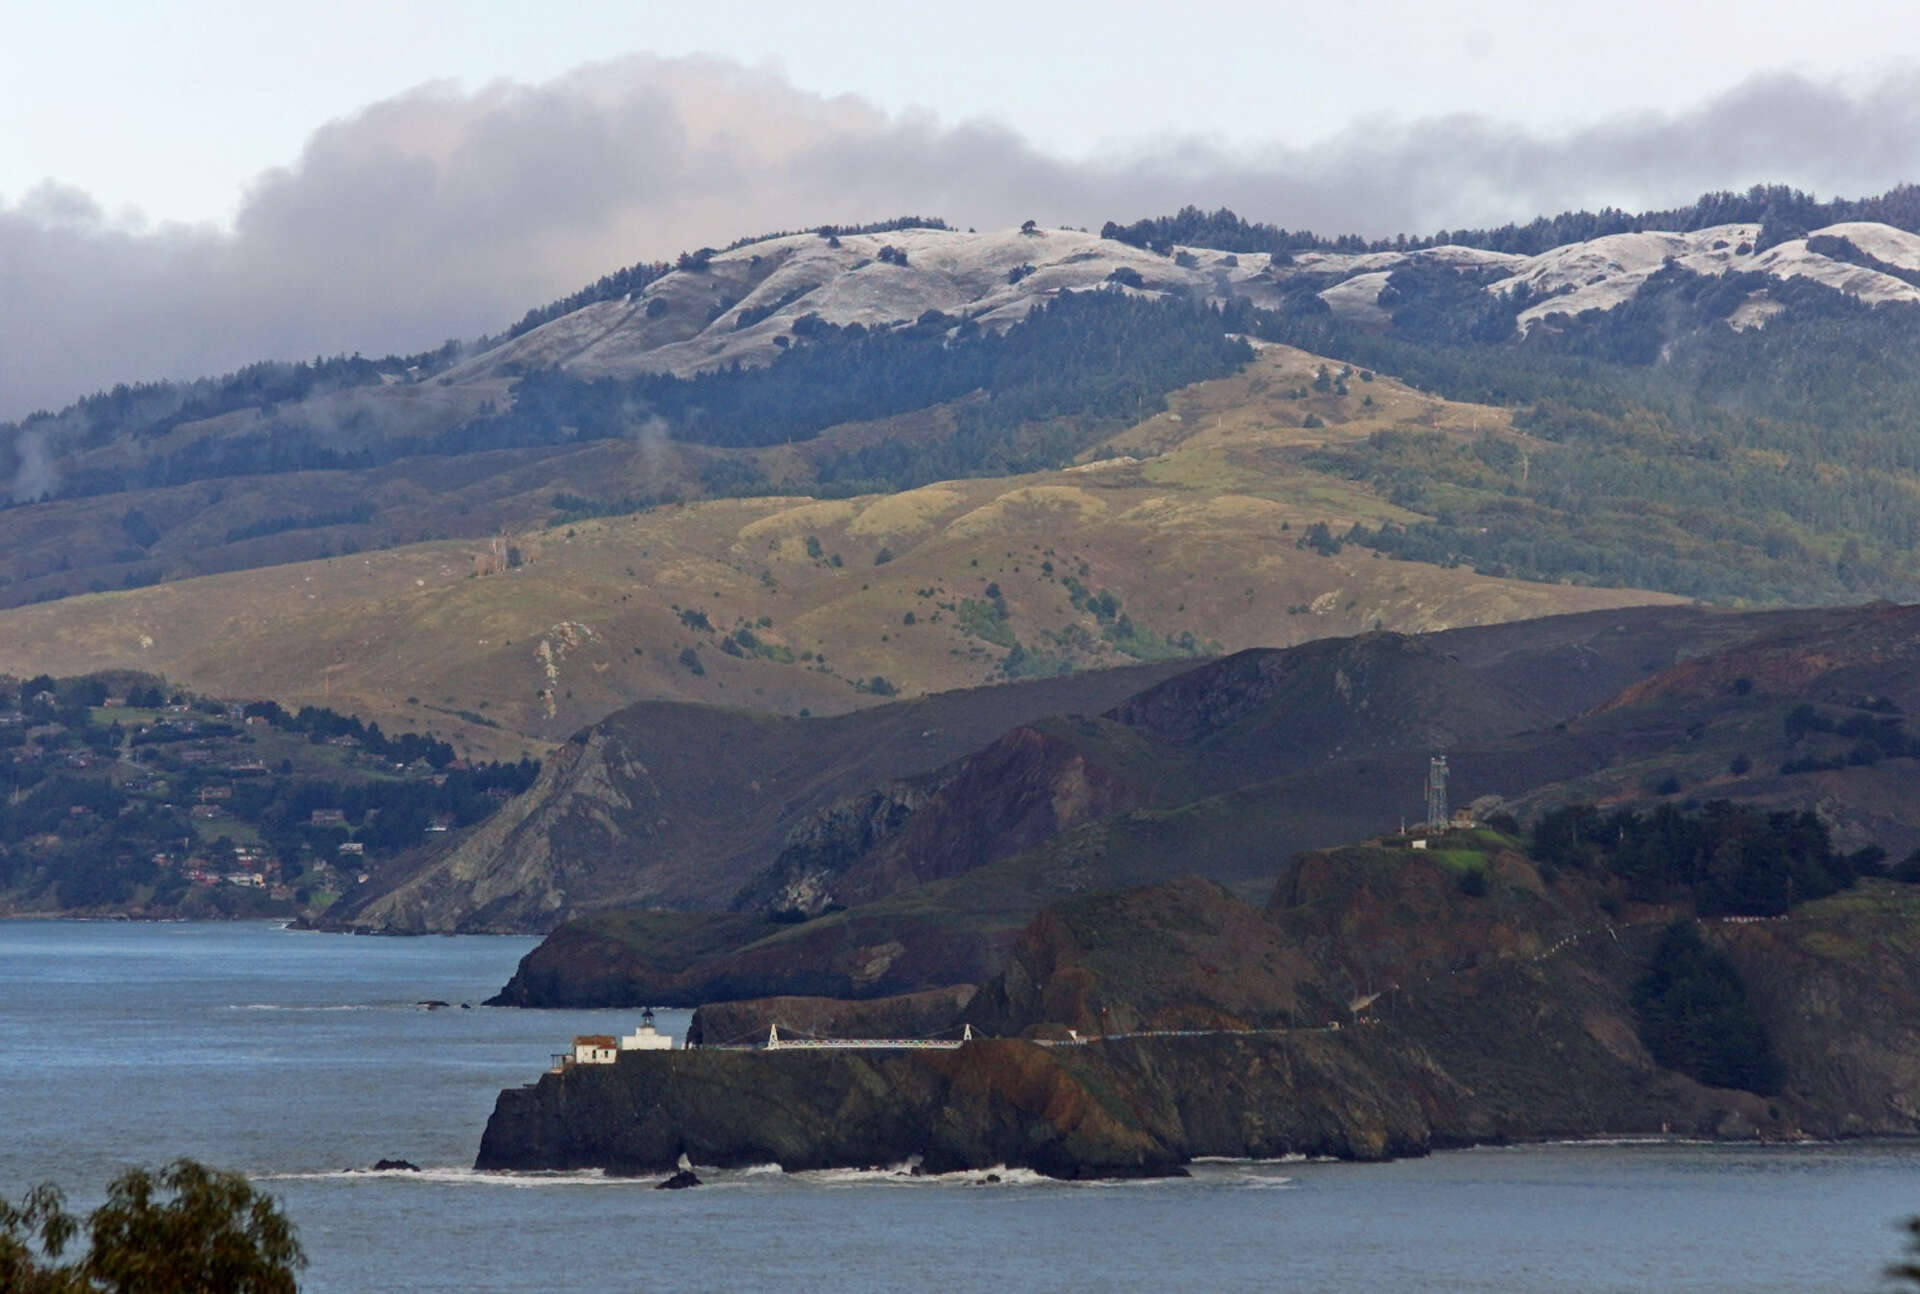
(646, 1037)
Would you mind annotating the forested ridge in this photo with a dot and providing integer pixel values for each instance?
(1774, 464)
(1786, 212)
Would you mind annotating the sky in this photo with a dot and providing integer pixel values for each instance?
(188, 187)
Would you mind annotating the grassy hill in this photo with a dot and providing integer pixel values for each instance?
(1191, 521)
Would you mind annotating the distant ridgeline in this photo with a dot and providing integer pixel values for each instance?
(147, 410)
(115, 792)
(1785, 212)
(1078, 366)
(1082, 364)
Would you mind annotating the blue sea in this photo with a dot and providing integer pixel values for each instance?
(301, 1058)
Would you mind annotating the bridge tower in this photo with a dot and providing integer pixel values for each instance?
(1437, 793)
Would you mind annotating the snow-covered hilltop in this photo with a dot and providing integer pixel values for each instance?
(744, 305)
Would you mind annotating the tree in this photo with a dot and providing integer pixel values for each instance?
(1695, 1016)
(186, 1228)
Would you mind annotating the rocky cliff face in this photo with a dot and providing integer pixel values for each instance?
(1139, 1107)
(1531, 1040)
(805, 874)
(1837, 986)
(678, 806)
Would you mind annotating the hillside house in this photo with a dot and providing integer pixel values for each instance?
(327, 818)
(351, 847)
(594, 1049)
(206, 812)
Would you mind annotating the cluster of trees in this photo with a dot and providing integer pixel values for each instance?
(1783, 211)
(357, 514)
(1727, 859)
(321, 724)
(622, 282)
(1694, 1016)
(1767, 465)
(1875, 734)
(148, 410)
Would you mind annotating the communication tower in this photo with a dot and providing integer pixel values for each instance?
(1437, 793)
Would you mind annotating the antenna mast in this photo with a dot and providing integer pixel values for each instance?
(1437, 793)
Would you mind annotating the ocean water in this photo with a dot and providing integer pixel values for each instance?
(301, 1059)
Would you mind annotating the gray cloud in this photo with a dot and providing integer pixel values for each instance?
(443, 212)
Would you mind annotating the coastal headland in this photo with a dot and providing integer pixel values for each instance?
(1223, 1038)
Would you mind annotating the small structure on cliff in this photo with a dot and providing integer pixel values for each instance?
(646, 1037)
(1437, 793)
(605, 1049)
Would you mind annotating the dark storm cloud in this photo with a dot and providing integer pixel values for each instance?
(445, 213)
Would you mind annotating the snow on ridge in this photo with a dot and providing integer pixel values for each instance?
(1882, 242)
(697, 323)
(1793, 259)
(737, 308)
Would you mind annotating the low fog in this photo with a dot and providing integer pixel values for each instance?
(446, 213)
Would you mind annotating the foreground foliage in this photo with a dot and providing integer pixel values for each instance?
(185, 1229)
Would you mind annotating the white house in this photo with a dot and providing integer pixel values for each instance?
(594, 1049)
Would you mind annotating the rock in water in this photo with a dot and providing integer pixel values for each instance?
(395, 1166)
(680, 1181)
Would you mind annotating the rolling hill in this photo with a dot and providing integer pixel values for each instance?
(666, 383)
(1192, 527)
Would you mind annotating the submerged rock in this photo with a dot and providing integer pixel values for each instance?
(680, 1181)
(396, 1166)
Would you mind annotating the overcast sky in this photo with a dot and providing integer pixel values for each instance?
(187, 187)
